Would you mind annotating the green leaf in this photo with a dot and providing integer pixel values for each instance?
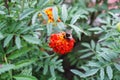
(102, 73)
(24, 63)
(83, 17)
(117, 66)
(61, 25)
(8, 39)
(26, 13)
(6, 67)
(24, 77)
(52, 70)
(93, 64)
(86, 45)
(49, 29)
(86, 55)
(60, 68)
(2, 12)
(52, 78)
(18, 42)
(90, 72)
(77, 30)
(95, 29)
(45, 69)
(74, 19)
(42, 3)
(34, 17)
(55, 13)
(19, 53)
(58, 2)
(45, 17)
(77, 72)
(64, 13)
(1, 36)
(98, 46)
(105, 56)
(2, 25)
(92, 44)
(109, 72)
(45, 2)
(31, 39)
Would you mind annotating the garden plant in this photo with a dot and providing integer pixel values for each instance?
(59, 40)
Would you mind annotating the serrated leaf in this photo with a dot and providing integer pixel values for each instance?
(92, 44)
(74, 19)
(42, 3)
(8, 39)
(49, 29)
(55, 13)
(90, 72)
(105, 56)
(44, 15)
(117, 66)
(77, 72)
(102, 73)
(95, 29)
(24, 77)
(34, 17)
(26, 13)
(52, 70)
(86, 45)
(2, 12)
(98, 46)
(60, 68)
(24, 63)
(77, 30)
(58, 61)
(61, 25)
(31, 39)
(45, 69)
(64, 13)
(18, 42)
(93, 64)
(109, 72)
(19, 53)
(6, 67)
(83, 17)
(1, 36)
(86, 55)
(45, 2)
(52, 78)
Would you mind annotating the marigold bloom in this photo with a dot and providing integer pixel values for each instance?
(60, 44)
(49, 13)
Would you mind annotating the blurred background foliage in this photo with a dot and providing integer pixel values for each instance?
(24, 50)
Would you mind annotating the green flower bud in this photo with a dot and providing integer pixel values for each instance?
(118, 26)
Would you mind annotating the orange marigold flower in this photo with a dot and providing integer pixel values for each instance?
(60, 44)
(49, 13)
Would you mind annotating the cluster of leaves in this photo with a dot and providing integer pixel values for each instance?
(24, 50)
(100, 59)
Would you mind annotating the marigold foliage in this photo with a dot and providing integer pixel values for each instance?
(31, 33)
